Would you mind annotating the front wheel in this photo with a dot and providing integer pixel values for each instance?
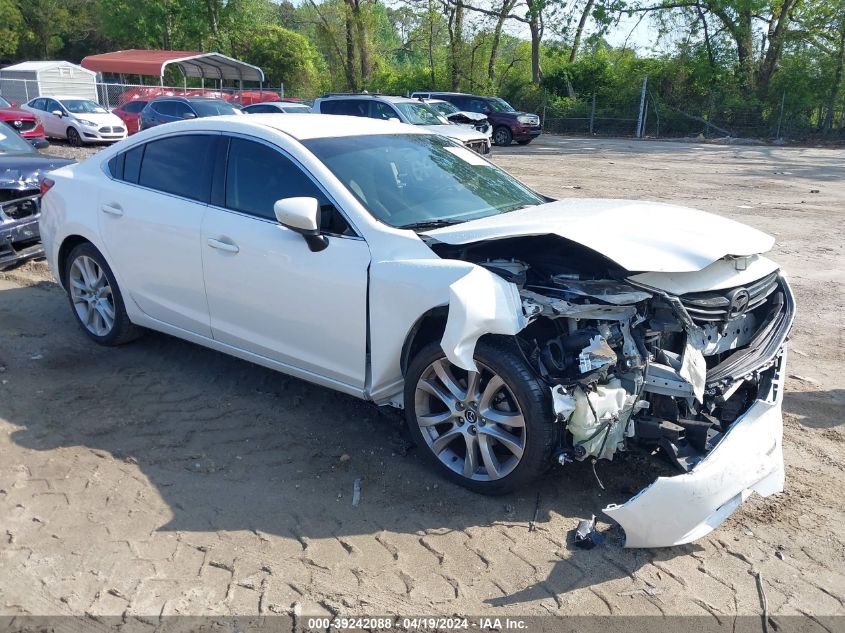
(73, 138)
(502, 136)
(491, 431)
(95, 297)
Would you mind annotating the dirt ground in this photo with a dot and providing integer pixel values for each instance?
(163, 478)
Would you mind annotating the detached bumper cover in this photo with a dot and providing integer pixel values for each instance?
(19, 238)
(677, 510)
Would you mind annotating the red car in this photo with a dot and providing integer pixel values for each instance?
(22, 122)
(130, 113)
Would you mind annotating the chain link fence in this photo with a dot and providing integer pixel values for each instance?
(113, 95)
(648, 115)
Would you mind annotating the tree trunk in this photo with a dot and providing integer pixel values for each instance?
(507, 6)
(363, 41)
(707, 42)
(776, 35)
(536, 36)
(576, 42)
(456, 34)
(837, 79)
(431, 44)
(349, 66)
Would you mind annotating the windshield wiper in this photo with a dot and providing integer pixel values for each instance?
(428, 224)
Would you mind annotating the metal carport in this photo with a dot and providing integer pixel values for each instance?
(152, 63)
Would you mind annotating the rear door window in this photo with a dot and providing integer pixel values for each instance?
(180, 165)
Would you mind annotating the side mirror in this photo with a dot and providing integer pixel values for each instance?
(58, 113)
(189, 115)
(303, 216)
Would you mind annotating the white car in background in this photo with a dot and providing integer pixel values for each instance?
(395, 265)
(272, 107)
(76, 119)
(410, 111)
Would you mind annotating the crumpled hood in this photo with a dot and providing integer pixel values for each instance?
(458, 132)
(23, 170)
(638, 236)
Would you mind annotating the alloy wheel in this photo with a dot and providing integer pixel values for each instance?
(91, 295)
(73, 137)
(471, 421)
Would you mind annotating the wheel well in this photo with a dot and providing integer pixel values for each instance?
(71, 242)
(429, 327)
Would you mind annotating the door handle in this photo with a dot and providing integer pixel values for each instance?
(220, 245)
(112, 209)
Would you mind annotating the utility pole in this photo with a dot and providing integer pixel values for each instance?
(642, 108)
(592, 114)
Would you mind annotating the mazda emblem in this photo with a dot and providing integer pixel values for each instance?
(18, 124)
(739, 300)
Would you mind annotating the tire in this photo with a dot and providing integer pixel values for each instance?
(88, 280)
(502, 136)
(455, 429)
(525, 142)
(73, 138)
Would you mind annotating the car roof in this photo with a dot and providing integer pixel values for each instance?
(301, 127)
(283, 104)
(185, 99)
(64, 98)
(388, 98)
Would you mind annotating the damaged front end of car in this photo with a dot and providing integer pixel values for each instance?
(688, 366)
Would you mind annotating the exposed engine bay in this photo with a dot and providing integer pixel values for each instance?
(631, 364)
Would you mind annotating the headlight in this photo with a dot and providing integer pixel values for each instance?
(525, 118)
(87, 123)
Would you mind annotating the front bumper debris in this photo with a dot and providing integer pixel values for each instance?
(681, 509)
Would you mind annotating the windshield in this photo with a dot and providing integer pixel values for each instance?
(4, 103)
(214, 108)
(419, 114)
(444, 107)
(499, 105)
(408, 179)
(12, 143)
(82, 106)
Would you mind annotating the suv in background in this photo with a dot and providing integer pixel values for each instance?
(410, 111)
(508, 124)
(168, 109)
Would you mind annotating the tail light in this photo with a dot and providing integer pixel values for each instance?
(45, 185)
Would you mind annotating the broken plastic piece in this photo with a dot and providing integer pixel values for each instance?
(586, 535)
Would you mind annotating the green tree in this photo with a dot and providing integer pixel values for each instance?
(286, 57)
(11, 25)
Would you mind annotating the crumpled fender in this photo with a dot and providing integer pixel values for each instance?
(681, 509)
(480, 303)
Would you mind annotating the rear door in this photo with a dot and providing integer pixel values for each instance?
(151, 213)
(267, 292)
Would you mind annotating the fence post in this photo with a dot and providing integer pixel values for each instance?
(780, 119)
(642, 107)
(282, 90)
(592, 114)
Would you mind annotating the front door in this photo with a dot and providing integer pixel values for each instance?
(267, 292)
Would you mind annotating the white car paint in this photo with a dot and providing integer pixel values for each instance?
(375, 287)
(90, 125)
(639, 236)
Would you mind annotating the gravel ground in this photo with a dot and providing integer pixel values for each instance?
(164, 478)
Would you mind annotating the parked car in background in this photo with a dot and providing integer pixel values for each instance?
(21, 167)
(410, 111)
(270, 107)
(248, 97)
(508, 124)
(474, 120)
(169, 109)
(130, 114)
(24, 123)
(515, 331)
(76, 119)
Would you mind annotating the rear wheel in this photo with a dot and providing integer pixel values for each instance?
(502, 136)
(73, 137)
(95, 298)
(491, 431)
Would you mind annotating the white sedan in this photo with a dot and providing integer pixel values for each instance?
(76, 119)
(397, 266)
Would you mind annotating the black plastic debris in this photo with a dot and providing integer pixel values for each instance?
(586, 535)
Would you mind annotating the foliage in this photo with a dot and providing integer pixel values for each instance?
(731, 64)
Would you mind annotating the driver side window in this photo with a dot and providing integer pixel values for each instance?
(258, 175)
